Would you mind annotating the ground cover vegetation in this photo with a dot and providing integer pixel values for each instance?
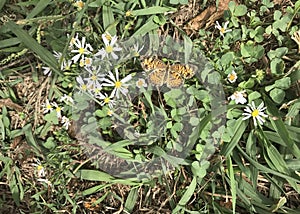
(161, 106)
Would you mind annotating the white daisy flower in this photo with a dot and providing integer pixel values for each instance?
(58, 109)
(106, 100)
(66, 65)
(141, 83)
(47, 107)
(137, 50)
(95, 76)
(47, 71)
(238, 97)
(82, 49)
(257, 113)
(67, 99)
(82, 85)
(223, 29)
(66, 122)
(42, 180)
(120, 85)
(232, 77)
(57, 55)
(40, 170)
(79, 4)
(110, 47)
(72, 41)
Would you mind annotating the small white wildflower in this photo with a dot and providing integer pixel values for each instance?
(40, 170)
(257, 113)
(47, 107)
(82, 85)
(47, 71)
(223, 29)
(95, 76)
(108, 100)
(66, 122)
(83, 49)
(232, 77)
(238, 97)
(46, 181)
(141, 83)
(73, 40)
(137, 50)
(58, 109)
(110, 47)
(119, 85)
(67, 99)
(66, 65)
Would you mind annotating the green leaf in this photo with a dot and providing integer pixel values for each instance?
(40, 6)
(253, 96)
(283, 83)
(186, 196)
(2, 3)
(27, 129)
(46, 56)
(277, 66)
(240, 10)
(131, 200)
(153, 10)
(108, 19)
(232, 182)
(94, 175)
(239, 130)
(146, 28)
(277, 95)
(51, 117)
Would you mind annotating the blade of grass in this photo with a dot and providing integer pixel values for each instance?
(147, 27)
(152, 10)
(40, 6)
(281, 129)
(238, 133)
(131, 200)
(186, 196)
(2, 3)
(46, 56)
(232, 182)
(263, 168)
(108, 19)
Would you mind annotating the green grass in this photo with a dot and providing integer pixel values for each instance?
(148, 111)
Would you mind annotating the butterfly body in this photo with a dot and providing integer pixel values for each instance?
(171, 75)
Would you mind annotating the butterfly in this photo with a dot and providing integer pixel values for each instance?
(171, 75)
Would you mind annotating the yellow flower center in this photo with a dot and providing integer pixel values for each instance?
(81, 63)
(88, 61)
(108, 37)
(106, 100)
(128, 13)
(81, 50)
(40, 167)
(49, 106)
(84, 87)
(109, 112)
(58, 109)
(222, 30)
(94, 78)
(232, 77)
(118, 84)
(140, 83)
(109, 49)
(255, 113)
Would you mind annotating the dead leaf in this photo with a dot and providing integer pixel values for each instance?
(207, 17)
(10, 104)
